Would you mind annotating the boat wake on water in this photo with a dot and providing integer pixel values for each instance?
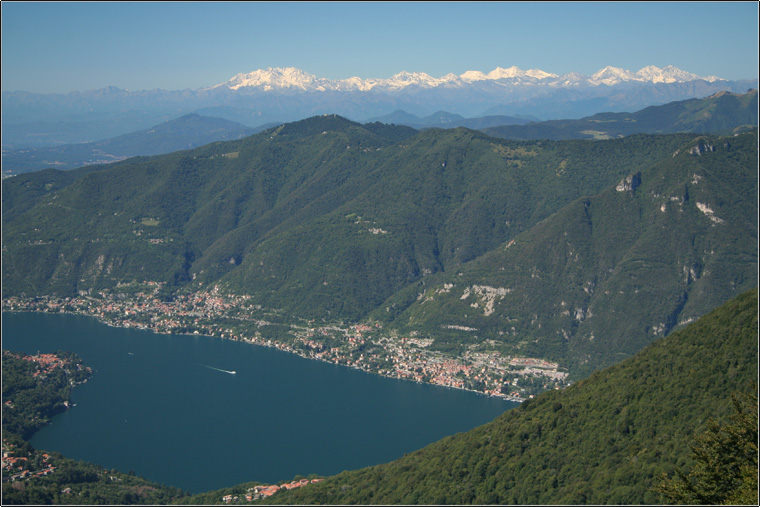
(231, 372)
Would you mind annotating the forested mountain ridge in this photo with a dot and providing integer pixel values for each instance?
(608, 439)
(330, 219)
(279, 175)
(721, 113)
(574, 287)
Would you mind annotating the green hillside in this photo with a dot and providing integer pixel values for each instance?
(221, 202)
(722, 113)
(424, 207)
(608, 273)
(605, 440)
(330, 219)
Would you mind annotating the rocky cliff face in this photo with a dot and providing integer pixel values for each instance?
(629, 183)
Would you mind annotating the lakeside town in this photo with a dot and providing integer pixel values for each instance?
(23, 468)
(20, 462)
(367, 347)
(267, 490)
(46, 363)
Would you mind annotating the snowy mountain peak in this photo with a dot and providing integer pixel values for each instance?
(411, 77)
(612, 75)
(499, 73)
(450, 77)
(651, 74)
(404, 79)
(539, 74)
(288, 77)
(670, 74)
(473, 75)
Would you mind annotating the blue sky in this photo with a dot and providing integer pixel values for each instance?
(60, 47)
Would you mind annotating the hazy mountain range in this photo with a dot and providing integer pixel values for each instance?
(723, 113)
(288, 94)
(185, 132)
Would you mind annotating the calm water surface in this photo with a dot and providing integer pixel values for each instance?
(156, 405)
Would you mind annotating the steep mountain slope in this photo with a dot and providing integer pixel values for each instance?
(604, 440)
(442, 198)
(445, 199)
(151, 216)
(183, 133)
(608, 273)
(721, 113)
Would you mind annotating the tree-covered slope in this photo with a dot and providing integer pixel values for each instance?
(149, 218)
(721, 113)
(311, 202)
(608, 273)
(605, 440)
(422, 207)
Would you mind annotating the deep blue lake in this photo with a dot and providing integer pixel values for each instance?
(156, 406)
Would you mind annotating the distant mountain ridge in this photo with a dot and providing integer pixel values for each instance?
(722, 113)
(290, 94)
(444, 119)
(189, 131)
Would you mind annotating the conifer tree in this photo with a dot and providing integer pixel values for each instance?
(725, 455)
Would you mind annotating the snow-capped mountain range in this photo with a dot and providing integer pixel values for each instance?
(286, 94)
(293, 78)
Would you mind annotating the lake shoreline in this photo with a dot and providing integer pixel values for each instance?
(276, 345)
(276, 418)
(488, 367)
